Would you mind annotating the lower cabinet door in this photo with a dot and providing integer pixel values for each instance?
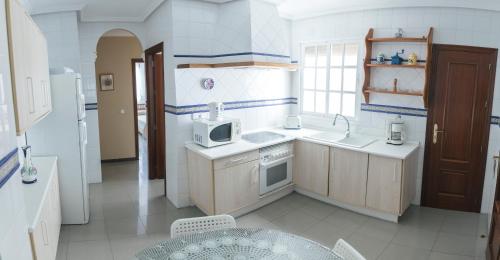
(348, 171)
(236, 187)
(310, 167)
(41, 243)
(384, 184)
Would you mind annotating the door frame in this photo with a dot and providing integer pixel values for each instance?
(425, 200)
(159, 109)
(134, 93)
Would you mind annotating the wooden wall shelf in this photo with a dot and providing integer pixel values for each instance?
(244, 64)
(398, 92)
(417, 66)
(368, 89)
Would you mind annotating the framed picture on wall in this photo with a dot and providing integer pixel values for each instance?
(107, 82)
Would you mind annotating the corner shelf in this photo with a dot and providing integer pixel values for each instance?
(398, 92)
(409, 66)
(370, 40)
(244, 64)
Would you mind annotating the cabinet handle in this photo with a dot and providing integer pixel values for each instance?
(236, 160)
(394, 175)
(31, 97)
(44, 233)
(255, 175)
(496, 159)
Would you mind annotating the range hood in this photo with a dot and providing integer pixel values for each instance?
(247, 33)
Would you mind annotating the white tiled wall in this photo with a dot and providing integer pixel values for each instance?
(451, 26)
(61, 31)
(14, 241)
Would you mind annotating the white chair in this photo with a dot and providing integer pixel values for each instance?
(187, 226)
(346, 251)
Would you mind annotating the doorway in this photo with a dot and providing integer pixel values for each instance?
(460, 101)
(156, 113)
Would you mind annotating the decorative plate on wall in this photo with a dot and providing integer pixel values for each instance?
(207, 83)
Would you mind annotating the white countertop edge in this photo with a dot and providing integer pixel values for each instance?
(244, 146)
(32, 223)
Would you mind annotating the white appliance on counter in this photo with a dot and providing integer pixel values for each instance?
(210, 133)
(293, 122)
(64, 134)
(275, 167)
(396, 131)
(216, 111)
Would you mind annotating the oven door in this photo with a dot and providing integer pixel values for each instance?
(275, 174)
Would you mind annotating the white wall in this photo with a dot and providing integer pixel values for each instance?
(451, 26)
(14, 240)
(61, 32)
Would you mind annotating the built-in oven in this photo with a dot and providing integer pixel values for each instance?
(275, 167)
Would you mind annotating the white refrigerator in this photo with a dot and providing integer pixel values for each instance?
(64, 133)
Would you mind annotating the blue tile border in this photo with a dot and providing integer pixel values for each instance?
(231, 55)
(91, 106)
(230, 105)
(406, 111)
(8, 166)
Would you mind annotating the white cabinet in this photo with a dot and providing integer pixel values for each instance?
(43, 209)
(310, 167)
(29, 67)
(348, 174)
(224, 185)
(391, 182)
(236, 187)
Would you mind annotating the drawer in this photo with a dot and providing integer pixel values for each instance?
(236, 159)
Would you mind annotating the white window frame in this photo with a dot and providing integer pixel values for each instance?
(329, 67)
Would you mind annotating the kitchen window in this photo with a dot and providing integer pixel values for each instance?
(329, 79)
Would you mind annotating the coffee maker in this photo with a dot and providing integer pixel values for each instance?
(395, 131)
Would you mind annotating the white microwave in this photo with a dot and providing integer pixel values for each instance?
(213, 133)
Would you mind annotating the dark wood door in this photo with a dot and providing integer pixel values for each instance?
(458, 126)
(155, 111)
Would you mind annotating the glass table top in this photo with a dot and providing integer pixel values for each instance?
(238, 244)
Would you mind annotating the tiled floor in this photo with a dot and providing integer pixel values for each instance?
(129, 213)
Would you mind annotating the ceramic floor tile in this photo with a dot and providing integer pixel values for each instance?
(327, 234)
(121, 210)
(369, 247)
(274, 210)
(456, 244)
(398, 252)
(295, 222)
(461, 224)
(318, 209)
(253, 220)
(158, 224)
(94, 230)
(380, 229)
(415, 237)
(423, 218)
(442, 256)
(95, 250)
(62, 251)
(124, 228)
(126, 249)
(346, 219)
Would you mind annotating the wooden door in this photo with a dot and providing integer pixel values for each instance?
(310, 167)
(156, 112)
(236, 187)
(458, 126)
(348, 174)
(383, 190)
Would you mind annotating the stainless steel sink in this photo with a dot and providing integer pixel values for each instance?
(355, 141)
(262, 137)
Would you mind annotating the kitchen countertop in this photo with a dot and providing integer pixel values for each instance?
(378, 147)
(35, 193)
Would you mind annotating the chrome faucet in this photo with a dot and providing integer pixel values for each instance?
(348, 131)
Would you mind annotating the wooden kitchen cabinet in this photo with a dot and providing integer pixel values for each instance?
(348, 176)
(391, 183)
(224, 185)
(236, 187)
(310, 167)
(29, 67)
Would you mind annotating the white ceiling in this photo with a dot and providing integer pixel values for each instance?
(98, 10)
(139, 10)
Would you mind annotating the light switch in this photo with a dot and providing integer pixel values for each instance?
(122, 111)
